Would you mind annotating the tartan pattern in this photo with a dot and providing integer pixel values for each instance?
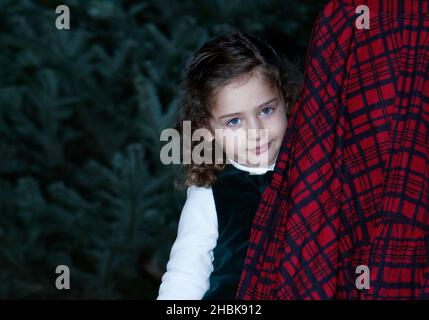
(351, 183)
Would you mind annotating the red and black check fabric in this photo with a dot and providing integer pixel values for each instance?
(351, 184)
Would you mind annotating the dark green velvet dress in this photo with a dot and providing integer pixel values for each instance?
(236, 195)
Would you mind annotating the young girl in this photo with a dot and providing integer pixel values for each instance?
(238, 89)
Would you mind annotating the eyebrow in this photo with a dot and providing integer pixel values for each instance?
(239, 113)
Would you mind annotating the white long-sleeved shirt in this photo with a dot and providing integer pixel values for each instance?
(191, 257)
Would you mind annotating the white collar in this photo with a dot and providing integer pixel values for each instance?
(252, 170)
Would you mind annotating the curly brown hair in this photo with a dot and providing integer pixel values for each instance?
(219, 62)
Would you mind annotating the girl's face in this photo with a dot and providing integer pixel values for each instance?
(249, 116)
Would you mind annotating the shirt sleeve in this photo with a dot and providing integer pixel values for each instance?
(191, 257)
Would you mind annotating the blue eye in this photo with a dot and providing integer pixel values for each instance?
(267, 111)
(233, 122)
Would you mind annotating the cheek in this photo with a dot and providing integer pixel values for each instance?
(284, 127)
(279, 125)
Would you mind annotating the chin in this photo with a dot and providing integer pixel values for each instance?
(259, 161)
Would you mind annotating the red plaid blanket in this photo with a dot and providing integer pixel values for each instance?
(351, 184)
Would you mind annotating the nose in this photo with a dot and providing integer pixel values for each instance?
(255, 130)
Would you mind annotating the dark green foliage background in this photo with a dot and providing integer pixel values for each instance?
(81, 111)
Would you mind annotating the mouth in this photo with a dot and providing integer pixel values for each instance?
(261, 149)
